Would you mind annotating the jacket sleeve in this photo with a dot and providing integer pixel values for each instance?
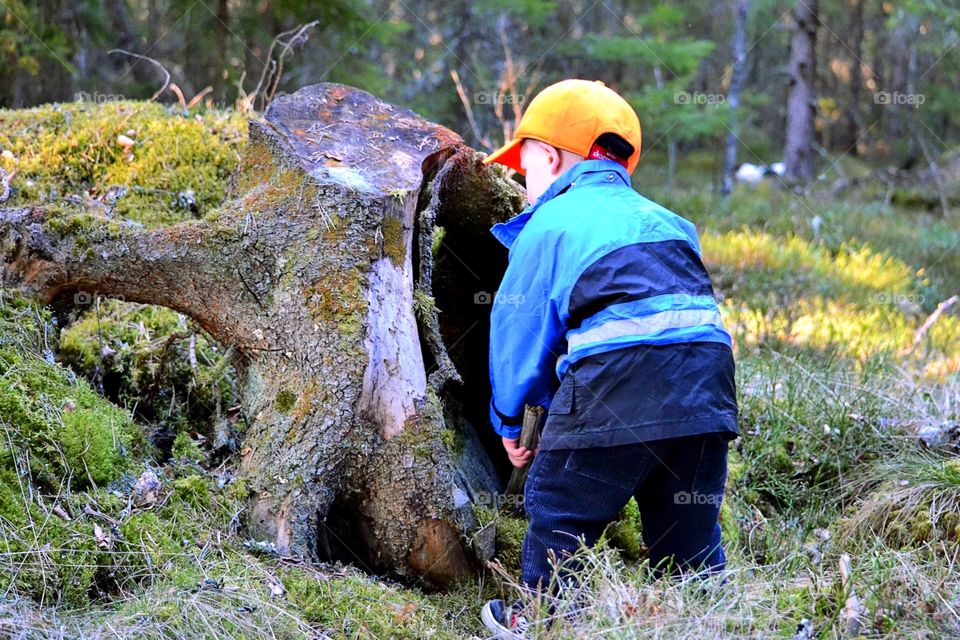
(527, 335)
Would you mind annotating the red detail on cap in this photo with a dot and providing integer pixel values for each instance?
(602, 153)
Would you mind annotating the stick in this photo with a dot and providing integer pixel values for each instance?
(921, 333)
(851, 609)
(166, 73)
(533, 418)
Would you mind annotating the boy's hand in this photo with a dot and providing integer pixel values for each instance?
(519, 456)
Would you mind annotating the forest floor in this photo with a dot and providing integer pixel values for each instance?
(842, 509)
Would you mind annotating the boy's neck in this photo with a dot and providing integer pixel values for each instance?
(576, 169)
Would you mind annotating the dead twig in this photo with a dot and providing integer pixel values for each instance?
(462, 93)
(90, 511)
(509, 92)
(166, 73)
(193, 101)
(921, 333)
(273, 69)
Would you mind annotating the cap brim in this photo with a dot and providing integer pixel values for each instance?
(508, 154)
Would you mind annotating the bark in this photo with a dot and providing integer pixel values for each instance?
(358, 443)
(853, 115)
(741, 8)
(801, 97)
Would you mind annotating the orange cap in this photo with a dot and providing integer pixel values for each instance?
(571, 115)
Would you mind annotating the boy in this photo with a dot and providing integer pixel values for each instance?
(605, 292)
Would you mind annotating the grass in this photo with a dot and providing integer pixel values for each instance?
(824, 295)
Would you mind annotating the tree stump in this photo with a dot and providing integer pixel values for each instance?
(319, 270)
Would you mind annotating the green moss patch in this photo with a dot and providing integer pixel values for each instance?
(69, 431)
(138, 161)
(140, 357)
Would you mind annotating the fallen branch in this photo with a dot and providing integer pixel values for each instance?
(921, 333)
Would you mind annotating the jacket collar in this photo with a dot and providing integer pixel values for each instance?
(584, 172)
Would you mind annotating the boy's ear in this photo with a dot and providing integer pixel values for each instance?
(556, 158)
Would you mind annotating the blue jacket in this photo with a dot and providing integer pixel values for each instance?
(608, 287)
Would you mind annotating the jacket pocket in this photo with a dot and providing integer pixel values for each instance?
(563, 399)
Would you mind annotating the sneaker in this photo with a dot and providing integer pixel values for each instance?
(504, 621)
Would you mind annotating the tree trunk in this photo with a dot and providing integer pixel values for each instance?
(801, 96)
(219, 73)
(741, 9)
(357, 443)
(852, 124)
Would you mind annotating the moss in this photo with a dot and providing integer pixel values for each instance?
(913, 500)
(186, 448)
(625, 532)
(256, 166)
(44, 557)
(279, 188)
(339, 300)
(284, 401)
(68, 157)
(510, 531)
(414, 438)
(357, 606)
(729, 525)
(307, 400)
(125, 348)
(160, 541)
(736, 469)
(419, 436)
(921, 528)
(95, 438)
(423, 305)
(155, 540)
(68, 430)
(193, 491)
(394, 240)
(85, 227)
(237, 491)
(439, 233)
(453, 440)
(948, 526)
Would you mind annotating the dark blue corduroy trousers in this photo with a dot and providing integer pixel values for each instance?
(678, 484)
